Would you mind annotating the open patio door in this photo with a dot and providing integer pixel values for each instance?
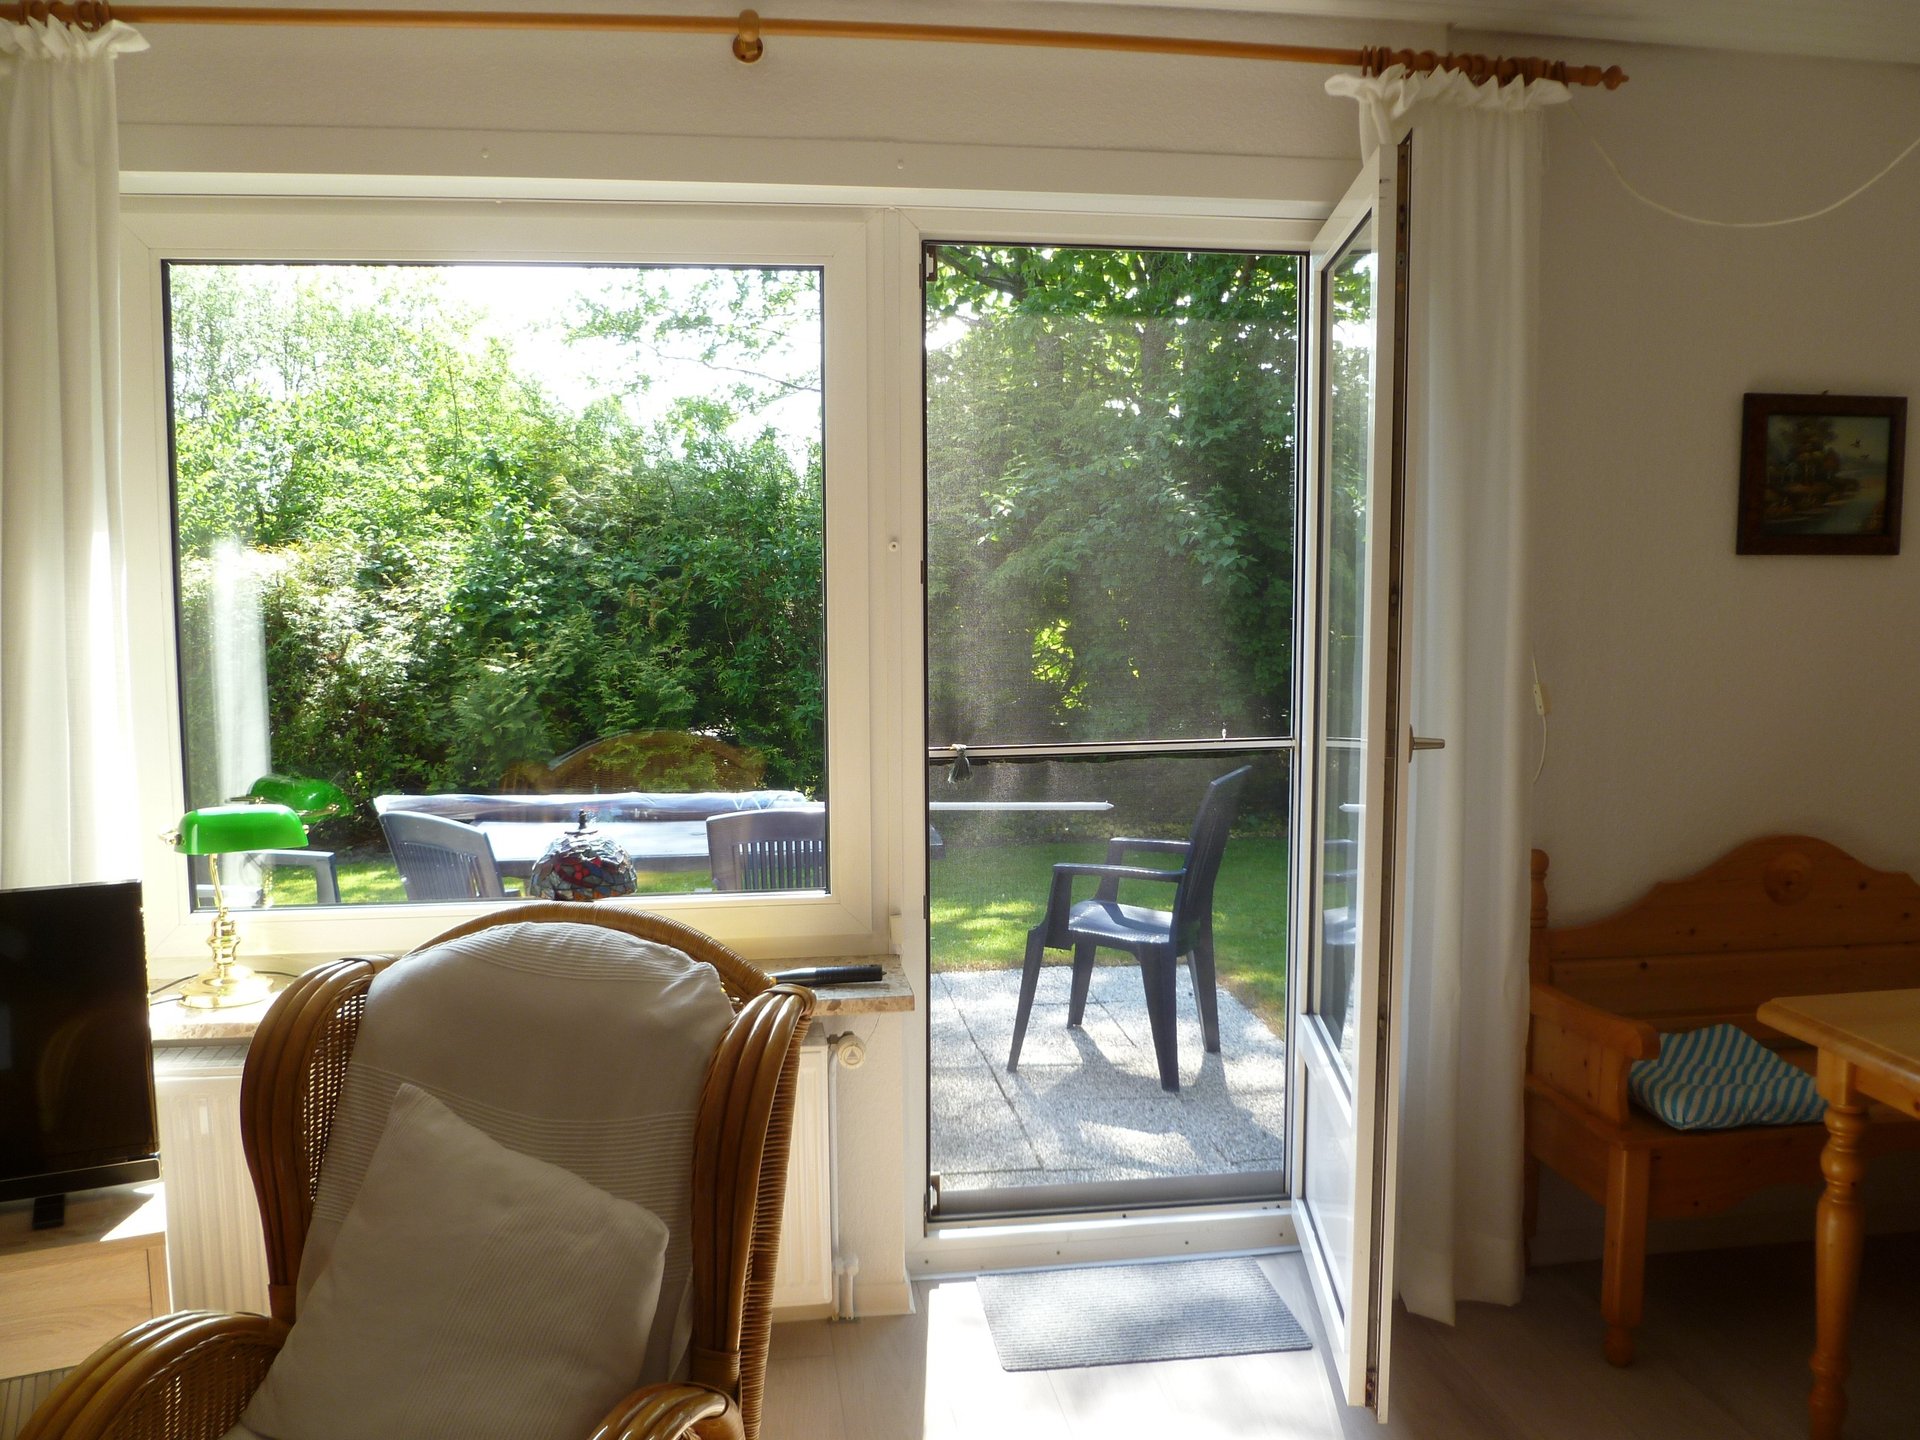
(1344, 1060)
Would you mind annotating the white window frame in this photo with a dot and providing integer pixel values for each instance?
(852, 916)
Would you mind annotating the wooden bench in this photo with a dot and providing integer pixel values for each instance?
(1787, 915)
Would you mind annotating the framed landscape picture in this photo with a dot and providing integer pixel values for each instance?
(1820, 474)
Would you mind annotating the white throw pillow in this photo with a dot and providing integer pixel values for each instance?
(473, 1292)
(576, 1044)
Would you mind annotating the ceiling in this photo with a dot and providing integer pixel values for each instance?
(1847, 29)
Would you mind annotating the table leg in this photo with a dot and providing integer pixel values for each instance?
(1839, 1230)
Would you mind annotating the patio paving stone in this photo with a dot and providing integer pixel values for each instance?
(1086, 1103)
(978, 1129)
(949, 1041)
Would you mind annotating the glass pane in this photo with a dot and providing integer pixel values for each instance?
(1110, 494)
(1349, 414)
(1086, 1102)
(484, 546)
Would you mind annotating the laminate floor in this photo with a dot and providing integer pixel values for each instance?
(1722, 1357)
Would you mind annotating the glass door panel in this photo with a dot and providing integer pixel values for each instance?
(1110, 494)
(1349, 285)
(1110, 508)
(1342, 1063)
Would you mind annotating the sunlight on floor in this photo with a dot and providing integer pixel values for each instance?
(935, 1375)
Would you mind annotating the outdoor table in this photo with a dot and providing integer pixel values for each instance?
(676, 845)
(656, 845)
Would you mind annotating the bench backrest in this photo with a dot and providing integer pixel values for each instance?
(1785, 915)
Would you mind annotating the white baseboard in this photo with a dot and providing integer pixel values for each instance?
(887, 1297)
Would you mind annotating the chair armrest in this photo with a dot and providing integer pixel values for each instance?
(196, 1367)
(671, 1411)
(1583, 1052)
(1117, 849)
(1633, 1038)
(741, 1144)
(1060, 895)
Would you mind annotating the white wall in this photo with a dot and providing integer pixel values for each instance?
(322, 102)
(1702, 698)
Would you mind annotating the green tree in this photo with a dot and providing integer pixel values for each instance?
(460, 574)
(1111, 461)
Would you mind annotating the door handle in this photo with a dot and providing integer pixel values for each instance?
(1421, 742)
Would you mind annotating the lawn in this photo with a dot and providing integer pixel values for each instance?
(985, 898)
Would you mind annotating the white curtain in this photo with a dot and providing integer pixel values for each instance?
(1475, 200)
(67, 803)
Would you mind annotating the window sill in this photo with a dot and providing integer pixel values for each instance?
(171, 1023)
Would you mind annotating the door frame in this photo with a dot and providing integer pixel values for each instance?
(938, 1247)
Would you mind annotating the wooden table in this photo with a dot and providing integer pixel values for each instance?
(1869, 1044)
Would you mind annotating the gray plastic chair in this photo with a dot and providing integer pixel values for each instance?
(250, 864)
(769, 849)
(441, 859)
(1155, 938)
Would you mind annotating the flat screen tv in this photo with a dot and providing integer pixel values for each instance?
(76, 1059)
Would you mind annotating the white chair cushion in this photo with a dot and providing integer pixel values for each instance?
(473, 1294)
(576, 1044)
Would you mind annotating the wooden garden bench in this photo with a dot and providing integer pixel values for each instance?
(1786, 915)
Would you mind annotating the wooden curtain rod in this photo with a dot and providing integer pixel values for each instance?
(750, 31)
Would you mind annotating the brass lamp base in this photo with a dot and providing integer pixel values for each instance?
(226, 983)
(224, 987)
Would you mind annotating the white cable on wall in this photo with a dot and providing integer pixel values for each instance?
(1664, 209)
(1542, 706)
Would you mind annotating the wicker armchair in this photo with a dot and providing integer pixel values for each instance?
(188, 1376)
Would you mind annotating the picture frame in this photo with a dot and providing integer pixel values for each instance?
(1821, 474)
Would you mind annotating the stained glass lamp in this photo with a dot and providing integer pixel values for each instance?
(214, 831)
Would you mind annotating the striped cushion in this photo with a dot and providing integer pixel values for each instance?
(1719, 1078)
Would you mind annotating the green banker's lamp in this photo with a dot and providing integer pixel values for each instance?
(312, 800)
(214, 831)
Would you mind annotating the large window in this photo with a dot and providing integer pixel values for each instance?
(481, 547)
(466, 519)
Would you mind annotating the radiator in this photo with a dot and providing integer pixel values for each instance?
(803, 1281)
(216, 1257)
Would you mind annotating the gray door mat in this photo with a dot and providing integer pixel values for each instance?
(1124, 1314)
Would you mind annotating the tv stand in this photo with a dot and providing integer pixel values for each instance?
(65, 1292)
(49, 1211)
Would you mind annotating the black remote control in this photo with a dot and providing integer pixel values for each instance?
(815, 976)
